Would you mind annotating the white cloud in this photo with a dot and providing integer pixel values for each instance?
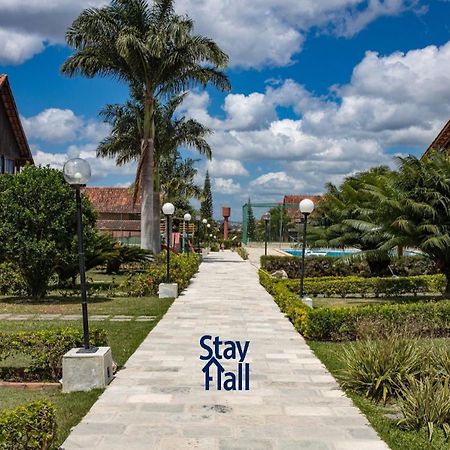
(226, 186)
(59, 126)
(226, 167)
(255, 34)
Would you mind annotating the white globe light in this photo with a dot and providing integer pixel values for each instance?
(208, 226)
(210, 235)
(187, 217)
(204, 221)
(77, 171)
(306, 206)
(168, 209)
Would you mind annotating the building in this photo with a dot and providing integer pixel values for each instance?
(14, 149)
(441, 142)
(117, 215)
(291, 202)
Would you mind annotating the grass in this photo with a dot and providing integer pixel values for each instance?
(396, 438)
(123, 338)
(336, 302)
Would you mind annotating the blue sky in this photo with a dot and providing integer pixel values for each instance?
(321, 90)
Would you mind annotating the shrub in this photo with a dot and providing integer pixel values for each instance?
(388, 287)
(45, 349)
(378, 368)
(11, 281)
(182, 269)
(228, 243)
(28, 427)
(242, 252)
(215, 247)
(340, 324)
(425, 402)
(325, 266)
(288, 302)
(38, 225)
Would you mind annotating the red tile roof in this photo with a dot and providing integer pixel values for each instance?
(442, 141)
(6, 97)
(112, 199)
(119, 225)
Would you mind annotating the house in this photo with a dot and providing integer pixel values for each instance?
(117, 215)
(441, 142)
(14, 149)
(291, 203)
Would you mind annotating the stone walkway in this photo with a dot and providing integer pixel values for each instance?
(92, 318)
(159, 402)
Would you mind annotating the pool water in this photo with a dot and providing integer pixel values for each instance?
(321, 252)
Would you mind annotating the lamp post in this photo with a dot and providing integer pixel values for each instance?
(208, 229)
(306, 208)
(204, 222)
(77, 173)
(197, 218)
(168, 210)
(266, 218)
(187, 218)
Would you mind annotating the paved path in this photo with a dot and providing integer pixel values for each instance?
(158, 401)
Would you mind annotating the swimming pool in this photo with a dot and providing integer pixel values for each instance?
(322, 252)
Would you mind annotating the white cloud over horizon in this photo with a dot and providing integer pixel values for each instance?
(263, 34)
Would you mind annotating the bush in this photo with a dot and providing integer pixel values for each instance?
(242, 252)
(378, 368)
(340, 324)
(182, 269)
(325, 266)
(215, 247)
(388, 287)
(38, 225)
(425, 402)
(228, 243)
(11, 281)
(28, 427)
(45, 349)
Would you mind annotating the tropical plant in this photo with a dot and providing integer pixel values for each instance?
(206, 207)
(379, 368)
(152, 49)
(347, 216)
(176, 176)
(414, 208)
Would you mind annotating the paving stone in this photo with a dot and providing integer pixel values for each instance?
(158, 400)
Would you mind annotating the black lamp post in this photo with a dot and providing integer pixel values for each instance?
(77, 173)
(187, 218)
(306, 208)
(168, 210)
(204, 222)
(197, 218)
(208, 229)
(266, 218)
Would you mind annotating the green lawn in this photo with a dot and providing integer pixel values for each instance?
(335, 302)
(123, 338)
(397, 439)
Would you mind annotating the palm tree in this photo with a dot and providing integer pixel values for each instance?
(415, 208)
(175, 175)
(347, 216)
(153, 50)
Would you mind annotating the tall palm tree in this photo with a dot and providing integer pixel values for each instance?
(175, 175)
(153, 50)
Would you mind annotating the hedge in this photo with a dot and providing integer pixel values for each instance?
(321, 266)
(45, 349)
(28, 427)
(388, 287)
(182, 269)
(338, 324)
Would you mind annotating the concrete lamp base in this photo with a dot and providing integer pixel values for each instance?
(168, 290)
(86, 371)
(308, 301)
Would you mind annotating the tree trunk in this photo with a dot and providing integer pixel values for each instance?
(446, 293)
(149, 241)
(156, 223)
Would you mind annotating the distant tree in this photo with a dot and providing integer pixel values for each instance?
(251, 224)
(38, 225)
(206, 208)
